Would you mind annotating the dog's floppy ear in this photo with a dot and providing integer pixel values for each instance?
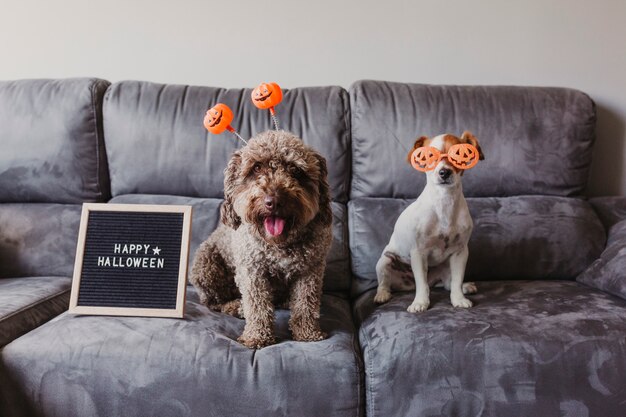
(471, 139)
(419, 142)
(231, 173)
(325, 214)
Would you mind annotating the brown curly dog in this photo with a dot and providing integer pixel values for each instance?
(271, 248)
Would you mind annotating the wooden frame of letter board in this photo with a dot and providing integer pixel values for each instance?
(179, 311)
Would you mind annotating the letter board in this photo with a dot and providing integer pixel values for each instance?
(131, 260)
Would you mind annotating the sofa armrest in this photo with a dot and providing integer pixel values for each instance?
(608, 273)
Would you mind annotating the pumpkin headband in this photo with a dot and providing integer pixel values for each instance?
(461, 156)
(265, 96)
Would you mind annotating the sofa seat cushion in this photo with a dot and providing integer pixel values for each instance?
(26, 303)
(543, 348)
(206, 217)
(521, 237)
(122, 366)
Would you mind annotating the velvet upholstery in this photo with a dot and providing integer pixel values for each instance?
(117, 366)
(531, 237)
(205, 218)
(156, 142)
(526, 348)
(38, 239)
(51, 143)
(28, 302)
(536, 140)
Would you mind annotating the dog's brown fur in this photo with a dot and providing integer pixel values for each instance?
(242, 270)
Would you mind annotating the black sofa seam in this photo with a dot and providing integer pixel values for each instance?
(345, 104)
(344, 96)
(360, 365)
(368, 371)
(94, 113)
(102, 169)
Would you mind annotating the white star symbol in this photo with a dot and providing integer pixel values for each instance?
(156, 251)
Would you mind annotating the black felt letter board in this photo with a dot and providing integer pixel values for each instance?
(131, 260)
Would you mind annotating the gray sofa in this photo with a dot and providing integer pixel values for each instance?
(547, 334)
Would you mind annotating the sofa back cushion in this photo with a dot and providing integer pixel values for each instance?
(536, 140)
(51, 144)
(156, 142)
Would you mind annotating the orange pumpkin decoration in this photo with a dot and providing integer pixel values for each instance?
(425, 158)
(218, 118)
(267, 95)
(463, 155)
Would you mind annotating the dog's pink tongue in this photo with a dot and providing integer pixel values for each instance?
(274, 225)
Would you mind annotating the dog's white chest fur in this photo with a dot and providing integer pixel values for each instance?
(437, 225)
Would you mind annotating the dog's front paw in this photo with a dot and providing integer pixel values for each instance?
(470, 288)
(305, 329)
(232, 308)
(256, 342)
(312, 336)
(461, 302)
(382, 295)
(418, 306)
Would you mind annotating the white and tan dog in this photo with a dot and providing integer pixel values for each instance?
(429, 240)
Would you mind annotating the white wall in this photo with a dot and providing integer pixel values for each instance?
(576, 43)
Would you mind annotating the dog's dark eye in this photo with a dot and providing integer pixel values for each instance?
(254, 170)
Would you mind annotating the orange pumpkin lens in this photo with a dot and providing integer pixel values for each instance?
(425, 158)
(463, 155)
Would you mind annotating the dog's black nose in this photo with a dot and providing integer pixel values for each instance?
(444, 173)
(270, 202)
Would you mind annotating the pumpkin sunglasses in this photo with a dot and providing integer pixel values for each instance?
(461, 156)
